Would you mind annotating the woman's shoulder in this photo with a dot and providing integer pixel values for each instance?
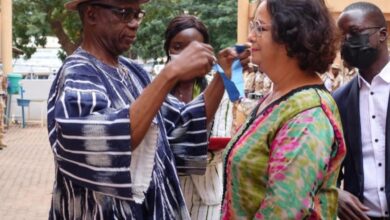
(302, 98)
(316, 102)
(306, 98)
(310, 96)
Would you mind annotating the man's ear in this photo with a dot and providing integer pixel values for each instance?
(90, 15)
(383, 35)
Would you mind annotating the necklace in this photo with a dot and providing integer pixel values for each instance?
(121, 70)
(121, 74)
(181, 95)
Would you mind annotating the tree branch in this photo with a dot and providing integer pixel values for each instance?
(67, 45)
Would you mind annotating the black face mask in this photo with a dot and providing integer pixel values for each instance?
(357, 52)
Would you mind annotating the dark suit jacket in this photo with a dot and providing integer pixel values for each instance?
(347, 99)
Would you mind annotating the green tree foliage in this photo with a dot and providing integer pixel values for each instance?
(219, 16)
(34, 20)
(37, 19)
(221, 19)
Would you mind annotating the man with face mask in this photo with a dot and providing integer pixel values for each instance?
(364, 109)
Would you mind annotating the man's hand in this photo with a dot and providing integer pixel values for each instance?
(350, 207)
(194, 61)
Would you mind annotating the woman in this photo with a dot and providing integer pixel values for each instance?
(203, 193)
(284, 161)
(181, 31)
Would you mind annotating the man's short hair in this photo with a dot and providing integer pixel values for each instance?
(378, 18)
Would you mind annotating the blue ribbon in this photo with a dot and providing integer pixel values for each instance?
(235, 86)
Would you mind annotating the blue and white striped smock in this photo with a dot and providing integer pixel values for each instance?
(97, 175)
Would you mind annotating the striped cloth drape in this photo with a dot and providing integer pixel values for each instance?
(97, 175)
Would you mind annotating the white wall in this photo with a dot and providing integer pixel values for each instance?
(37, 91)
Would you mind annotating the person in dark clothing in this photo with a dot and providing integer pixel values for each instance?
(364, 108)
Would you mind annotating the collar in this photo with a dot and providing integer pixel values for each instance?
(384, 74)
(361, 80)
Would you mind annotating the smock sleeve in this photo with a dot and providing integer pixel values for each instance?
(186, 128)
(92, 146)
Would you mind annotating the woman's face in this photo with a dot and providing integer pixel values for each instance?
(265, 50)
(183, 39)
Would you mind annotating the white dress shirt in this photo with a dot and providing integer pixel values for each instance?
(373, 109)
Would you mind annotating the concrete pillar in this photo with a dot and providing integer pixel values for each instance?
(1, 31)
(242, 21)
(6, 55)
(6, 35)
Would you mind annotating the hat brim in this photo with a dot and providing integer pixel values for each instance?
(72, 5)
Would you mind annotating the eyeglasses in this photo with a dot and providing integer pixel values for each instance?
(354, 32)
(126, 14)
(258, 28)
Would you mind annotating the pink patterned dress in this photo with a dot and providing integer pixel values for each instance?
(284, 162)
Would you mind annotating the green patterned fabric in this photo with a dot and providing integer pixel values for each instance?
(284, 163)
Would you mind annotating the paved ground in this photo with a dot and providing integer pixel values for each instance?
(26, 174)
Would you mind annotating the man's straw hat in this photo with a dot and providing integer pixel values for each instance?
(72, 5)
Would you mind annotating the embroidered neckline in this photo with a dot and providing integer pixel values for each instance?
(122, 72)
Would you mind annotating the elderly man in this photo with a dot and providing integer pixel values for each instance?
(365, 113)
(109, 125)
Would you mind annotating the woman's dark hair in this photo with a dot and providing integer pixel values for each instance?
(180, 23)
(308, 31)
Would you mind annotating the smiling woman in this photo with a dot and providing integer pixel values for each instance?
(284, 161)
